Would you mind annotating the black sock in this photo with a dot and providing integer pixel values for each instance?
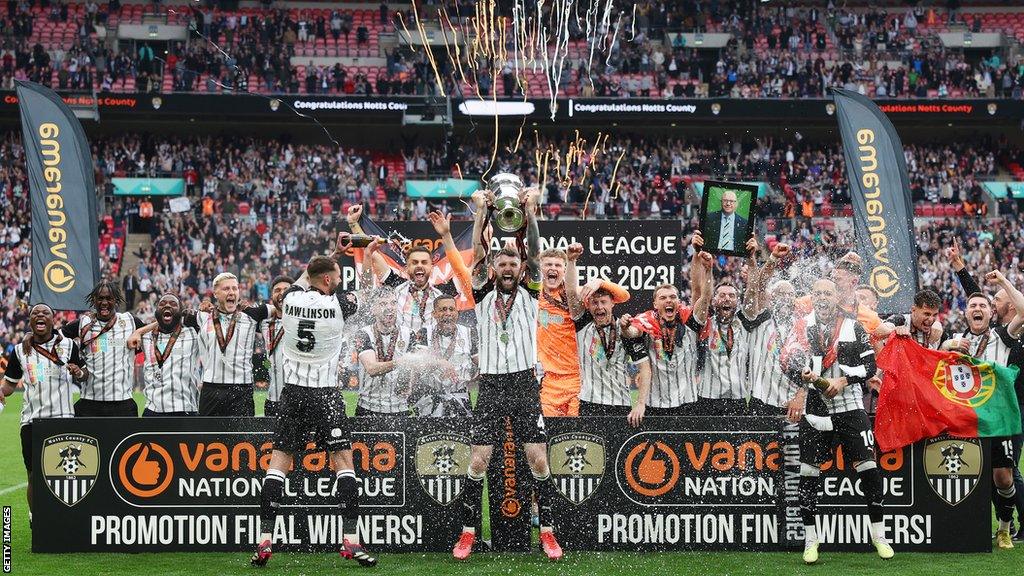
(472, 501)
(1005, 498)
(871, 485)
(810, 482)
(270, 499)
(346, 495)
(545, 493)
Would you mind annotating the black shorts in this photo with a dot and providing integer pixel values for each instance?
(103, 409)
(516, 396)
(594, 409)
(760, 408)
(720, 407)
(147, 413)
(26, 446)
(232, 400)
(316, 414)
(271, 408)
(367, 413)
(688, 409)
(851, 430)
(1002, 453)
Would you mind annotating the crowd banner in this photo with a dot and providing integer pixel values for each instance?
(883, 213)
(640, 255)
(192, 484)
(65, 239)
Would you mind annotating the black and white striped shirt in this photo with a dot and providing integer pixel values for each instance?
(314, 326)
(509, 346)
(675, 376)
(604, 379)
(388, 392)
(233, 364)
(854, 359)
(768, 380)
(921, 338)
(172, 386)
(445, 392)
(995, 345)
(416, 307)
(272, 330)
(724, 376)
(48, 384)
(104, 350)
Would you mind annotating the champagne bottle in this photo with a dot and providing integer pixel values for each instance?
(820, 383)
(361, 240)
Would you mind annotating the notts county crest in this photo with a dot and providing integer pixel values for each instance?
(70, 465)
(442, 461)
(953, 467)
(577, 464)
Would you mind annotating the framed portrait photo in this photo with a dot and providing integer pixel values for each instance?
(727, 214)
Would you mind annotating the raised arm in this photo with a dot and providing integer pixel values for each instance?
(1016, 326)
(572, 280)
(532, 236)
(378, 264)
(956, 262)
(751, 291)
(696, 271)
(703, 303)
(481, 252)
(779, 253)
(443, 226)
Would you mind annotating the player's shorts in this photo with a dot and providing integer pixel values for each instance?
(1002, 452)
(594, 409)
(271, 408)
(851, 430)
(228, 400)
(758, 407)
(560, 394)
(515, 396)
(318, 411)
(104, 409)
(26, 446)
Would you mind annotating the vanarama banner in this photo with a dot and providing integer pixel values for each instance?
(883, 214)
(193, 484)
(65, 243)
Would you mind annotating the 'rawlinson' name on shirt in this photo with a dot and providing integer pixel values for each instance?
(311, 313)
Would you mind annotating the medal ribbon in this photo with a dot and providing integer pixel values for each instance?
(104, 330)
(275, 339)
(668, 338)
(504, 307)
(832, 352)
(222, 340)
(609, 343)
(383, 356)
(49, 354)
(556, 302)
(161, 357)
(421, 303)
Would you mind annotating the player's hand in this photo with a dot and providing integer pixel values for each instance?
(574, 251)
(936, 332)
(588, 290)
(781, 250)
(795, 407)
(961, 345)
(875, 383)
(808, 375)
(697, 241)
(206, 306)
(134, 341)
(903, 330)
(479, 198)
(531, 198)
(636, 415)
(489, 197)
(752, 246)
(442, 224)
(995, 277)
(956, 259)
(835, 386)
(372, 249)
(344, 243)
(706, 260)
(76, 372)
(355, 212)
(625, 321)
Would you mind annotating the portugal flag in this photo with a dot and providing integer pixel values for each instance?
(926, 393)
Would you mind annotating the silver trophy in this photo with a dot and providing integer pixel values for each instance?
(508, 209)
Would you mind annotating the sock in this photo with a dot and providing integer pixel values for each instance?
(1004, 505)
(878, 531)
(810, 482)
(270, 501)
(471, 501)
(822, 423)
(544, 495)
(346, 495)
(871, 485)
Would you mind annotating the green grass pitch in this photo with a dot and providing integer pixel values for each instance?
(12, 493)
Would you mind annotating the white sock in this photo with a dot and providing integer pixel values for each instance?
(352, 539)
(546, 529)
(810, 535)
(822, 423)
(265, 536)
(1004, 525)
(470, 529)
(878, 531)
